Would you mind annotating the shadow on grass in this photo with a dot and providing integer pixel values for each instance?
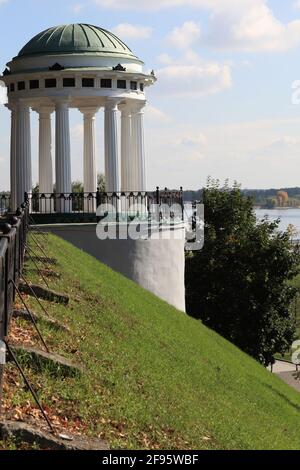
(282, 396)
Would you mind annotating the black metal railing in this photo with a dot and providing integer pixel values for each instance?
(154, 205)
(13, 237)
(14, 229)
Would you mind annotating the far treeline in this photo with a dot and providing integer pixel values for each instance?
(265, 198)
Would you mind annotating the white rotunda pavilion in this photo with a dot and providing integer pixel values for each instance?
(86, 67)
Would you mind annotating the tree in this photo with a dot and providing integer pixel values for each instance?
(282, 198)
(292, 231)
(77, 187)
(101, 182)
(270, 203)
(239, 283)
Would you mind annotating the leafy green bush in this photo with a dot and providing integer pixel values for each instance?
(239, 283)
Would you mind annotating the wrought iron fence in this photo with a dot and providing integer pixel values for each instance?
(13, 236)
(14, 229)
(158, 205)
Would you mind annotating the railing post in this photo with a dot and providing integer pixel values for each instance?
(157, 195)
(182, 202)
(98, 198)
(158, 203)
(2, 363)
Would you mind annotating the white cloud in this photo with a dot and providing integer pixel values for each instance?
(131, 31)
(196, 157)
(252, 29)
(161, 4)
(156, 115)
(77, 131)
(190, 75)
(296, 4)
(3, 93)
(246, 63)
(261, 153)
(196, 139)
(3, 1)
(78, 7)
(184, 36)
(164, 59)
(247, 25)
(285, 143)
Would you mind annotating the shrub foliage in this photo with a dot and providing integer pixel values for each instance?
(239, 284)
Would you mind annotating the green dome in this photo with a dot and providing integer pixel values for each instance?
(74, 39)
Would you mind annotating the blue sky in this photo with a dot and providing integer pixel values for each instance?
(222, 104)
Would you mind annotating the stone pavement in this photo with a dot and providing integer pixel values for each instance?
(286, 371)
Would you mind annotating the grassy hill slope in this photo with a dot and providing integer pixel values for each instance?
(154, 378)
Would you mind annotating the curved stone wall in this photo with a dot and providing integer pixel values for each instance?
(155, 264)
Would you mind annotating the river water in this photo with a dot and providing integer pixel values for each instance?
(287, 216)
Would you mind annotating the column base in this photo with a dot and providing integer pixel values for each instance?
(64, 204)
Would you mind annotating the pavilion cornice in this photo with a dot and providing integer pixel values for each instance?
(86, 54)
(86, 70)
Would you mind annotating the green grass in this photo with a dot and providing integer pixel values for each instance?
(155, 378)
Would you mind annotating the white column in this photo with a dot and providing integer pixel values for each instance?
(112, 170)
(62, 155)
(126, 173)
(106, 158)
(23, 153)
(13, 166)
(134, 167)
(45, 159)
(89, 158)
(138, 148)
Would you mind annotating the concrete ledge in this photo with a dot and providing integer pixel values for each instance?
(29, 434)
(42, 259)
(39, 360)
(19, 313)
(44, 293)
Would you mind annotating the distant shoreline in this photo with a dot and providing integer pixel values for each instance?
(275, 208)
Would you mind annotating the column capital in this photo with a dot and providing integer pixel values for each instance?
(89, 112)
(112, 104)
(11, 105)
(23, 105)
(44, 111)
(125, 109)
(12, 108)
(62, 103)
(138, 106)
